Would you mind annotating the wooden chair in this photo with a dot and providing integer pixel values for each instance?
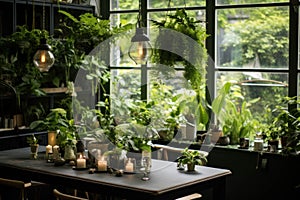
(16, 184)
(62, 196)
(190, 197)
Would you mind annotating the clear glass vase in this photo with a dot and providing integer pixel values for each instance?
(69, 153)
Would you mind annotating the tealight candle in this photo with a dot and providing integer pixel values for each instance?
(48, 149)
(129, 166)
(102, 165)
(81, 162)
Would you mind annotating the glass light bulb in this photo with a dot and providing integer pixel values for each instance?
(43, 60)
(142, 51)
(43, 57)
(139, 52)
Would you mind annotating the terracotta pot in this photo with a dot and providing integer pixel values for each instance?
(52, 138)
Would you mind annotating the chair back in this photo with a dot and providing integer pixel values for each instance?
(20, 185)
(191, 197)
(62, 196)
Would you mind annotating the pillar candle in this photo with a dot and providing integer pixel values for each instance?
(55, 152)
(48, 149)
(81, 162)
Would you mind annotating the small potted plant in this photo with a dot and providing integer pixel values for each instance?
(34, 145)
(285, 125)
(191, 158)
(54, 121)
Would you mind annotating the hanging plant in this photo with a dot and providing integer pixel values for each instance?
(175, 46)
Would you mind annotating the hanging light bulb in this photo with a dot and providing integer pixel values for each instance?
(43, 58)
(140, 50)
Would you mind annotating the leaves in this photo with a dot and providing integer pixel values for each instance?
(191, 156)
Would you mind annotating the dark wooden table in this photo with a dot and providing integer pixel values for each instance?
(166, 182)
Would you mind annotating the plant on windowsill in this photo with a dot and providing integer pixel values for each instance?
(286, 125)
(190, 158)
(233, 113)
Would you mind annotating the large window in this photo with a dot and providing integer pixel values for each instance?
(250, 42)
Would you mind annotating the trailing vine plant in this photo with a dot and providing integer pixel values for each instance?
(192, 58)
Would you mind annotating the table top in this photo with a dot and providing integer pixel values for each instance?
(164, 176)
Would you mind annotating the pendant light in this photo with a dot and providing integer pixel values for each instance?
(43, 58)
(140, 50)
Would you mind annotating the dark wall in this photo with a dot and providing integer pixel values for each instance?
(258, 175)
(17, 139)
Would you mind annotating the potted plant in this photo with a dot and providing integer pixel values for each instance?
(191, 158)
(53, 123)
(34, 145)
(233, 113)
(285, 125)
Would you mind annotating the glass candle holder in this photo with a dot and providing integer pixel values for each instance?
(130, 165)
(80, 162)
(102, 163)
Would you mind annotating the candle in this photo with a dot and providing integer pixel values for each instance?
(55, 152)
(102, 165)
(81, 162)
(129, 166)
(48, 149)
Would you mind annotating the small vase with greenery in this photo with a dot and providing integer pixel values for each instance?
(34, 145)
(191, 158)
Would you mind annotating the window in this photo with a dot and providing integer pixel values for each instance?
(249, 42)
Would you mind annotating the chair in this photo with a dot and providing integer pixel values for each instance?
(62, 196)
(26, 190)
(16, 184)
(190, 197)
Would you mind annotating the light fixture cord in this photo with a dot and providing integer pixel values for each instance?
(139, 15)
(169, 6)
(44, 15)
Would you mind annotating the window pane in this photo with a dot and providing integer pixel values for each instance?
(169, 91)
(299, 41)
(298, 85)
(268, 87)
(124, 4)
(125, 87)
(175, 4)
(120, 47)
(253, 37)
(127, 18)
(234, 2)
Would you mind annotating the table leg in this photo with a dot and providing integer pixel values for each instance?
(219, 189)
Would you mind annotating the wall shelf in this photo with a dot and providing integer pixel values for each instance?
(15, 13)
